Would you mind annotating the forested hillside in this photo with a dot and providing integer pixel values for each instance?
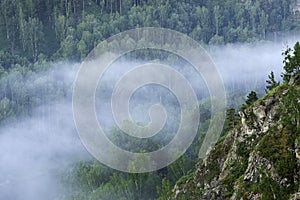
(69, 29)
(34, 32)
(259, 158)
(42, 43)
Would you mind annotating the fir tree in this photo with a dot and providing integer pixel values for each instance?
(291, 62)
(271, 83)
(252, 97)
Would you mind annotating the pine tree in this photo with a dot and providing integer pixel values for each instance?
(252, 97)
(291, 62)
(230, 119)
(271, 83)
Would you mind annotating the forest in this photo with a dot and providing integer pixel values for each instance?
(42, 43)
(36, 30)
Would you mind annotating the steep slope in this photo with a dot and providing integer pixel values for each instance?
(258, 159)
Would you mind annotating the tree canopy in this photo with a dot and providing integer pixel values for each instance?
(291, 62)
(69, 29)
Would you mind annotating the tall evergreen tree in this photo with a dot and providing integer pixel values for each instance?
(291, 62)
(251, 98)
(271, 83)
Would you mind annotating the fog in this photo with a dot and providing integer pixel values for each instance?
(240, 64)
(35, 149)
(33, 153)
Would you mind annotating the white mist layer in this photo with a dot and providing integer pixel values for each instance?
(33, 150)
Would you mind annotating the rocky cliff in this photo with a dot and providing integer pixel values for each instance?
(258, 159)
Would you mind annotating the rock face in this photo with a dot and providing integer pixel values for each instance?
(258, 159)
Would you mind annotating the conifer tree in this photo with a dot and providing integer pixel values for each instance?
(291, 62)
(252, 97)
(271, 83)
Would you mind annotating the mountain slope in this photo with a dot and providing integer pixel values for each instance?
(258, 159)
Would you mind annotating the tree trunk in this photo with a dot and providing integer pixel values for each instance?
(74, 7)
(111, 5)
(82, 8)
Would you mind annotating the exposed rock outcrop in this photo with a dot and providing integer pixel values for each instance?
(258, 159)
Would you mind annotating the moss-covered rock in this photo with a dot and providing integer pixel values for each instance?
(258, 159)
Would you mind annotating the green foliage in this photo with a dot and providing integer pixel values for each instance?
(271, 83)
(267, 188)
(24, 87)
(164, 191)
(34, 32)
(231, 120)
(291, 62)
(33, 27)
(180, 168)
(251, 98)
(236, 171)
(275, 147)
(290, 109)
(116, 188)
(6, 108)
(216, 40)
(91, 180)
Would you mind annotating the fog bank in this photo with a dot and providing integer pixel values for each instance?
(34, 149)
